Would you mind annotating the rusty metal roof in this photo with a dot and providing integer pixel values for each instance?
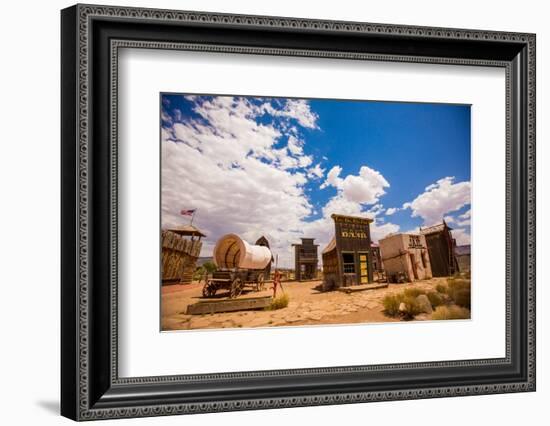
(435, 228)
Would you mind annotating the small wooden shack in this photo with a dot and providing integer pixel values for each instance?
(347, 259)
(463, 257)
(262, 241)
(377, 264)
(306, 260)
(441, 246)
(181, 247)
(405, 257)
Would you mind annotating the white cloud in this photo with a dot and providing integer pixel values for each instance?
(239, 176)
(316, 172)
(333, 178)
(376, 210)
(295, 145)
(465, 219)
(365, 188)
(449, 219)
(466, 222)
(392, 210)
(166, 118)
(226, 166)
(300, 110)
(323, 228)
(462, 236)
(305, 161)
(379, 230)
(354, 194)
(440, 198)
(466, 215)
(295, 109)
(341, 205)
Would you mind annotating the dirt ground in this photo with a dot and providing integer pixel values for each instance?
(307, 306)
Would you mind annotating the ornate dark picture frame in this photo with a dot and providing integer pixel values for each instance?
(91, 37)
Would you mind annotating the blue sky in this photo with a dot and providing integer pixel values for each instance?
(284, 165)
(411, 144)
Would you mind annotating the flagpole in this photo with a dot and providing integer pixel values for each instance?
(192, 217)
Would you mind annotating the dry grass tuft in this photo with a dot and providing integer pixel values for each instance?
(392, 302)
(459, 291)
(435, 299)
(413, 292)
(450, 313)
(441, 288)
(278, 303)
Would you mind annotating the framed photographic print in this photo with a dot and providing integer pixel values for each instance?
(263, 212)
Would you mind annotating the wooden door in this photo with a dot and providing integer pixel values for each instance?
(363, 268)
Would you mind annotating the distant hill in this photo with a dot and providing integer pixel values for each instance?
(202, 260)
(462, 250)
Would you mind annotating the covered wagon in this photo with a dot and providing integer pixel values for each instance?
(240, 265)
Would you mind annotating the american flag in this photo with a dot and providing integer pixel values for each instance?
(187, 212)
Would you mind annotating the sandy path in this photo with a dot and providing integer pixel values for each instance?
(307, 306)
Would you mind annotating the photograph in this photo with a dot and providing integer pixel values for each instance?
(283, 211)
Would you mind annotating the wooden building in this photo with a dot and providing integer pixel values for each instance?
(463, 258)
(181, 247)
(262, 241)
(306, 260)
(377, 264)
(405, 257)
(441, 246)
(347, 259)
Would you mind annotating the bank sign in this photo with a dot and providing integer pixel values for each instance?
(352, 233)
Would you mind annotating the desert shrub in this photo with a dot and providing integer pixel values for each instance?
(208, 268)
(411, 307)
(450, 312)
(441, 288)
(457, 282)
(462, 297)
(199, 273)
(278, 303)
(413, 292)
(435, 299)
(391, 304)
(459, 291)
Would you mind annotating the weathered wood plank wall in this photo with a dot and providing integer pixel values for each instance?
(179, 257)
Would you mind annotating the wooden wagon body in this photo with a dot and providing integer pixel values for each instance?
(234, 281)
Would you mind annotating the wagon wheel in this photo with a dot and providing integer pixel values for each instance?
(236, 288)
(209, 289)
(260, 285)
